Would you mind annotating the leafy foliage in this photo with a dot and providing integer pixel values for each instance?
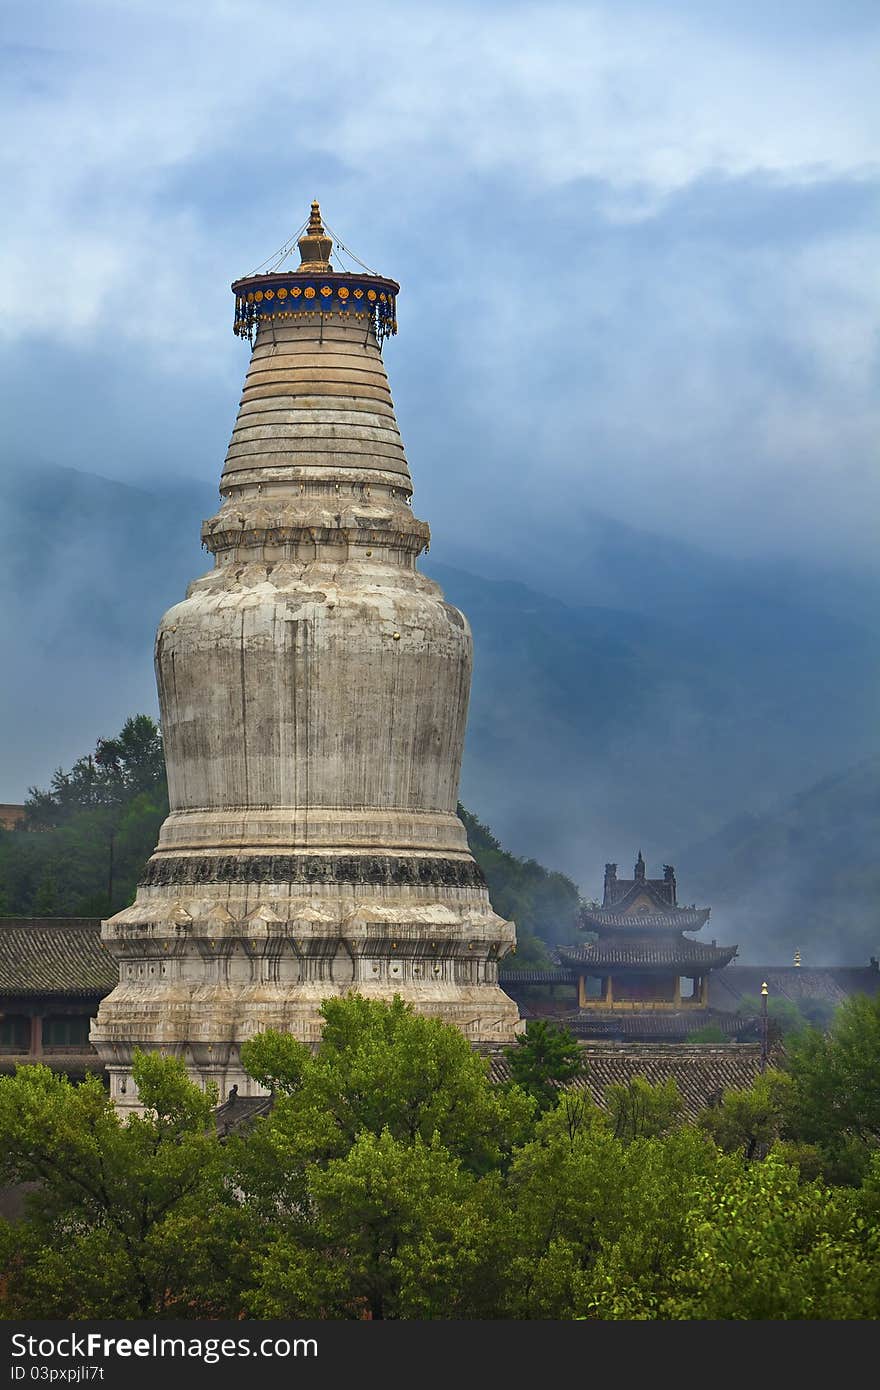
(749, 1121)
(396, 1229)
(544, 1058)
(835, 1096)
(383, 1068)
(128, 1220)
(765, 1245)
(119, 770)
(391, 1179)
(640, 1110)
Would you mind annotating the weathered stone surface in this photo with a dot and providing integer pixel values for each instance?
(314, 690)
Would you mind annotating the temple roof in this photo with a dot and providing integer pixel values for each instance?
(669, 919)
(239, 1112)
(660, 890)
(509, 976)
(55, 956)
(701, 1071)
(647, 953)
(653, 902)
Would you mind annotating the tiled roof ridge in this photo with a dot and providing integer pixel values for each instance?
(672, 918)
(60, 923)
(610, 953)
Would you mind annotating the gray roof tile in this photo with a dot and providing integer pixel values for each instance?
(57, 956)
(702, 1071)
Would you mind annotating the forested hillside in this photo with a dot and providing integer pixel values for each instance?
(543, 904)
(88, 836)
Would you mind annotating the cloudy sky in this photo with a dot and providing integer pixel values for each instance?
(638, 242)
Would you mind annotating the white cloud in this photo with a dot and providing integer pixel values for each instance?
(151, 150)
(114, 100)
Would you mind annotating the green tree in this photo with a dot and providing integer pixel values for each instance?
(543, 1059)
(98, 825)
(119, 769)
(127, 1219)
(835, 1098)
(594, 1217)
(381, 1067)
(379, 1167)
(749, 1121)
(397, 1229)
(639, 1110)
(276, 1060)
(764, 1245)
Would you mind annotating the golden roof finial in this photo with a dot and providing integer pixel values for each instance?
(315, 245)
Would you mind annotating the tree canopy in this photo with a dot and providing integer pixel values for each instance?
(543, 1058)
(127, 1220)
(88, 836)
(544, 904)
(392, 1179)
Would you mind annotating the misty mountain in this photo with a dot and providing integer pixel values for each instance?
(595, 730)
(624, 565)
(805, 877)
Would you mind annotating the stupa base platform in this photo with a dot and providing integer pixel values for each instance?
(203, 972)
(215, 1022)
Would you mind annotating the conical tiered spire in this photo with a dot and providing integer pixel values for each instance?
(316, 456)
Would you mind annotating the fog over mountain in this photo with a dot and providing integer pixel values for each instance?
(803, 877)
(705, 694)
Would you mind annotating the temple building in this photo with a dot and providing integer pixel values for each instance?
(54, 972)
(642, 973)
(314, 688)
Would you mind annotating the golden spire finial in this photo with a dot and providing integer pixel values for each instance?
(315, 245)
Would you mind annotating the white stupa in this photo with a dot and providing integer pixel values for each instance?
(314, 690)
